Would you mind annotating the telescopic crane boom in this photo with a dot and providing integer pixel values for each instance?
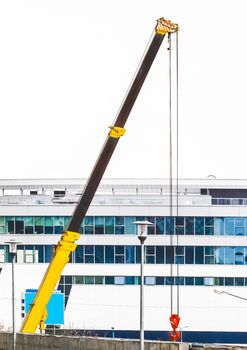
(37, 313)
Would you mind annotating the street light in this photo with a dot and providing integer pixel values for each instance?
(181, 332)
(142, 236)
(13, 251)
(216, 291)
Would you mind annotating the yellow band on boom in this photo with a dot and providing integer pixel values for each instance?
(165, 26)
(116, 132)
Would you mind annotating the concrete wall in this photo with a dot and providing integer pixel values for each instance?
(50, 342)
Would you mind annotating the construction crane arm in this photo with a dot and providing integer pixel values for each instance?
(37, 313)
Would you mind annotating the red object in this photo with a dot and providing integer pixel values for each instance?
(174, 334)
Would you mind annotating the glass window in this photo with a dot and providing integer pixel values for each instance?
(208, 281)
(109, 225)
(89, 230)
(119, 230)
(199, 258)
(229, 255)
(239, 281)
(239, 231)
(129, 280)
(99, 254)
(109, 254)
(99, 225)
(79, 280)
(48, 221)
(88, 220)
(219, 255)
(189, 281)
(130, 227)
(159, 255)
(219, 281)
(199, 281)
(229, 281)
(189, 226)
(149, 280)
(189, 255)
(239, 255)
(130, 254)
(209, 221)
(89, 279)
(119, 220)
(79, 254)
(199, 226)
(160, 222)
(179, 281)
(169, 281)
(160, 281)
(229, 223)
(170, 226)
(48, 253)
(219, 226)
(119, 280)
(169, 255)
(109, 280)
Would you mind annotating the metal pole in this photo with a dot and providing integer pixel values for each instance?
(142, 239)
(13, 299)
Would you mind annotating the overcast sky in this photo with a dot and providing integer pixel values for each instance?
(65, 67)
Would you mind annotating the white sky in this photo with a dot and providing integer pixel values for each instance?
(65, 67)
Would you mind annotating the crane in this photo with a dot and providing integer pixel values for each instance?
(37, 313)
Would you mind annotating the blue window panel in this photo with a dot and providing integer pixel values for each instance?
(189, 281)
(150, 230)
(239, 281)
(209, 221)
(160, 281)
(88, 220)
(229, 281)
(29, 230)
(179, 260)
(149, 259)
(99, 254)
(209, 230)
(130, 228)
(119, 230)
(199, 256)
(99, 225)
(239, 255)
(169, 255)
(109, 279)
(138, 254)
(159, 255)
(79, 254)
(219, 226)
(109, 254)
(169, 281)
(239, 231)
(219, 255)
(130, 254)
(179, 281)
(89, 249)
(39, 248)
(119, 259)
(199, 281)
(109, 225)
(199, 226)
(49, 230)
(189, 226)
(58, 230)
(179, 230)
(170, 226)
(189, 255)
(119, 249)
(88, 230)
(130, 280)
(229, 226)
(89, 259)
(245, 255)
(48, 253)
(160, 222)
(119, 280)
(119, 220)
(148, 280)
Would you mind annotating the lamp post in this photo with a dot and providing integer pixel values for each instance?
(232, 295)
(13, 251)
(142, 236)
(181, 332)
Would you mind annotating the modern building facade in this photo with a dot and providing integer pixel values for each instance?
(195, 248)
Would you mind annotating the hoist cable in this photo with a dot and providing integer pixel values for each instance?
(177, 160)
(170, 159)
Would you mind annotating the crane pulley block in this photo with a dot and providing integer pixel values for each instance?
(116, 131)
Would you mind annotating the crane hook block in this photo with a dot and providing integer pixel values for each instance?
(165, 26)
(174, 334)
(116, 132)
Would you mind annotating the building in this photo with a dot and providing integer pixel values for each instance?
(194, 248)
